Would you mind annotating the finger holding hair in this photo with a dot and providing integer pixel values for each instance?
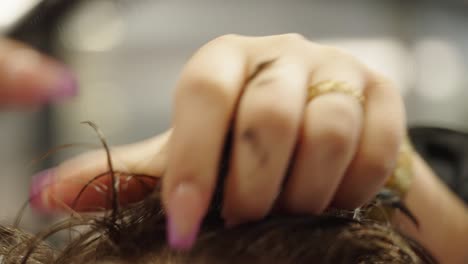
(331, 129)
(383, 132)
(265, 133)
(205, 101)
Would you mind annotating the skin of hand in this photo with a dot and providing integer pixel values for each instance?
(336, 151)
(29, 79)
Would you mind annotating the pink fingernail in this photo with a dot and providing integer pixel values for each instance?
(179, 239)
(185, 213)
(53, 80)
(65, 86)
(39, 183)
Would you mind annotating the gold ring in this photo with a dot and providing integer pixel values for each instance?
(325, 87)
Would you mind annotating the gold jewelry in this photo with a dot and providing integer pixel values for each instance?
(325, 87)
(391, 197)
(401, 178)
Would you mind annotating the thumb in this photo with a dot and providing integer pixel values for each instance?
(138, 167)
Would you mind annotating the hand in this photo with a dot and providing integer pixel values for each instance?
(338, 151)
(29, 79)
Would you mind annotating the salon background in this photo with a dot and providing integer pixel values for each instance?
(128, 54)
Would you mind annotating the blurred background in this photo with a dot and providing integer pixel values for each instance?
(127, 55)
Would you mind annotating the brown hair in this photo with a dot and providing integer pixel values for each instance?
(137, 234)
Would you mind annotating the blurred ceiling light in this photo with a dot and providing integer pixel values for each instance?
(95, 26)
(11, 11)
(441, 70)
(387, 56)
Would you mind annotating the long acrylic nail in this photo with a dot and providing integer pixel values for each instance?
(55, 81)
(64, 86)
(39, 183)
(185, 213)
(60, 84)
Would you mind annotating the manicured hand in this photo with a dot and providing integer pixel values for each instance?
(304, 155)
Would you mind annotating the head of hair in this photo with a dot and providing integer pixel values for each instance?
(137, 234)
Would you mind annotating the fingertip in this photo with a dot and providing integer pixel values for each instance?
(65, 86)
(37, 191)
(185, 209)
(29, 78)
(55, 83)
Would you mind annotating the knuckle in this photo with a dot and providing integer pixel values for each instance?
(293, 41)
(275, 118)
(334, 52)
(294, 37)
(227, 39)
(209, 88)
(337, 129)
(331, 52)
(340, 57)
(269, 77)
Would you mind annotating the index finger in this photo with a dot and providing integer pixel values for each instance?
(204, 103)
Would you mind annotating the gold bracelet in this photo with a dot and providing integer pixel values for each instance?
(402, 177)
(391, 197)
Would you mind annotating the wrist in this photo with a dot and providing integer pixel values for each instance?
(443, 217)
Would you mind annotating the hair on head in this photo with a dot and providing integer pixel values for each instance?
(136, 233)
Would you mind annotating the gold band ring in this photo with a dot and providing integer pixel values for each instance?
(399, 182)
(401, 178)
(325, 87)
